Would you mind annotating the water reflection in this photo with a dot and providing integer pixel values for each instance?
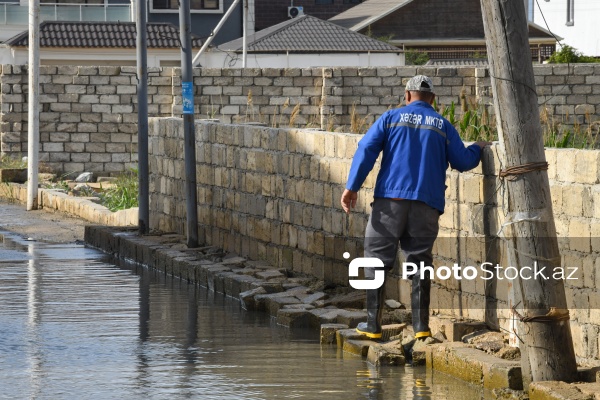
(421, 390)
(34, 351)
(72, 325)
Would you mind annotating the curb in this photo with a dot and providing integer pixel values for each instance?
(258, 285)
(82, 207)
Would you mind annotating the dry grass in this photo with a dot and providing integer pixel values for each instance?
(285, 106)
(358, 124)
(294, 115)
(249, 107)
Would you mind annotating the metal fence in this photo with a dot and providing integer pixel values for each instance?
(17, 14)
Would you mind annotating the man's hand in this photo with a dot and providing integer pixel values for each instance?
(483, 144)
(349, 200)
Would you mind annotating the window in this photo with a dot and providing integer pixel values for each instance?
(72, 2)
(530, 8)
(352, 1)
(195, 5)
(570, 12)
(323, 2)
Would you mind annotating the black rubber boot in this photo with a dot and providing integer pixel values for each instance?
(372, 328)
(419, 303)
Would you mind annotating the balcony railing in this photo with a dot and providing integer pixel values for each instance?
(16, 14)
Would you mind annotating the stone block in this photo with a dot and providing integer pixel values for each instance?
(351, 318)
(357, 347)
(474, 366)
(555, 390)
(329, 331)
(453, 328)
(386, 354)
(586, 166)
(579, 235)
(293, 318)
(247, 298)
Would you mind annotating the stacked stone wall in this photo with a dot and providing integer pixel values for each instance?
(88, 117)
(273, 194)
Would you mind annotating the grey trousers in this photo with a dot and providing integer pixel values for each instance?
(414, 226)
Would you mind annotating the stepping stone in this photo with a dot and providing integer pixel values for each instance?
(351, 300)
(248, 300)
(314, 297)
(357, 347)
(386, 354)
(234, 261)
(328, 332)
(389, 331)
(351, 318)
(270, 274)
(293, 318)
(343, 335)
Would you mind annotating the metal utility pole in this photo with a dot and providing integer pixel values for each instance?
(189, 137)
(214, 32)
(245, 35)
(33, 117)
(546, 343)
(142, 97)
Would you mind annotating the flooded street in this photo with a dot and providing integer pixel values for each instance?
(73, 326)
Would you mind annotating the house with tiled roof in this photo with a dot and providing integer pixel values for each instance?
(205, 14)
(440, 28)
(272, 12)
(303, 42)
(96, 43)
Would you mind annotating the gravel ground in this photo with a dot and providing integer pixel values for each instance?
(40, 225)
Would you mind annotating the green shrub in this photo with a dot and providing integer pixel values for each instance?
(11, 162)
(475, 123)
(124, 193)
(414, 57)
(568, 54)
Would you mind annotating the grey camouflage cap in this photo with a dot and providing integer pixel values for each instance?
(419, 83)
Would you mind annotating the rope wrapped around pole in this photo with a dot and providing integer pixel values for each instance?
(554, 315)
(512, 173)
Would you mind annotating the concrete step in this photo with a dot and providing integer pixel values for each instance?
(474, 366)
(553, 390)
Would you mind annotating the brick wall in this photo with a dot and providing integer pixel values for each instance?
(88, 115)
(274, 194)
(88, 119)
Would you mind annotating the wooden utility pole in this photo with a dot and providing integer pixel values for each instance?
(546, 347)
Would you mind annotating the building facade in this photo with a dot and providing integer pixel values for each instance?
(573, 20)
(206, 14)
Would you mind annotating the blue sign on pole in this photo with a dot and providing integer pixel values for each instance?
(187, 94)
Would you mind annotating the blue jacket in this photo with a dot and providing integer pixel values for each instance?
(418, 144)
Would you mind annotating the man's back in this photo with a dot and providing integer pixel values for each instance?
(417, 144)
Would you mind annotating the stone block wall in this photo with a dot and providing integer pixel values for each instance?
(273, 194)
(88, 115)
(264, 192)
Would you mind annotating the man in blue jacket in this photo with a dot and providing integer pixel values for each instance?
(418, 144)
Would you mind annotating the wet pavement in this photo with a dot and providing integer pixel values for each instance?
(74, 325)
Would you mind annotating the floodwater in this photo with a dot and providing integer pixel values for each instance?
(75, 326)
